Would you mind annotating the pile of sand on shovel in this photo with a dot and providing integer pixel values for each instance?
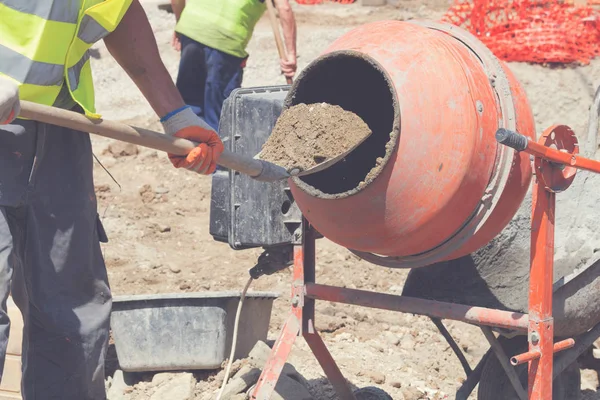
(307, 135)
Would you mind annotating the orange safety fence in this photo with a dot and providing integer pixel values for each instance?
(538, 31)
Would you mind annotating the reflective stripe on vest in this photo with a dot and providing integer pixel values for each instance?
(44, 44)
(225, 25)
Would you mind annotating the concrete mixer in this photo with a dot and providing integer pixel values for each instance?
(445, 170)
(431, 183)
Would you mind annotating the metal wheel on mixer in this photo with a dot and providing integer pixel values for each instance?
(495, 385)
(371, 393)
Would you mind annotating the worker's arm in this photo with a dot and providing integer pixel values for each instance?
(177, 6)
(134, 47)
(288, 25)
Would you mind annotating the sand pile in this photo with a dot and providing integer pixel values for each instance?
(306, 135)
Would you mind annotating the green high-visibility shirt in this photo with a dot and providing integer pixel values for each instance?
(225, 25)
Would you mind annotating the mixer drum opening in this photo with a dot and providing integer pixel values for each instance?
(357, 83)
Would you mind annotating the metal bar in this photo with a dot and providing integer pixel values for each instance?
(430, 308)
(277, 359)
(503, 359)
(534, 355)
(313, 339)
(298, 285)
(291, 329)
(333, 373)
(308, 313)
(582, 343)
(541, 323)
(473, 379)
(450, 340)
(550, 154)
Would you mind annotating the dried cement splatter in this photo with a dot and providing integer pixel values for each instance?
(307, 135)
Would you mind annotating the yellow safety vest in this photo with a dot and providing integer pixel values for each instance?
(224, 25)
(44, 44)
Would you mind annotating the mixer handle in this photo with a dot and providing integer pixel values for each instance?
(511, 139)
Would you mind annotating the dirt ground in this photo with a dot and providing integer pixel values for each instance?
(157, 220)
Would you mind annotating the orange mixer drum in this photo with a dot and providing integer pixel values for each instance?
(431, 183)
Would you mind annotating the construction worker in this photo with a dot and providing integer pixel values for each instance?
(50, 233)
(212, 36)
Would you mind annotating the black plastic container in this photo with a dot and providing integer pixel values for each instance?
(246, 213)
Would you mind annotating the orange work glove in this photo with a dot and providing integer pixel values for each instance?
(185, 124)
(10, 105)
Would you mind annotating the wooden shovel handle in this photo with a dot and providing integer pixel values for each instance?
(130, 134)
(277, 34)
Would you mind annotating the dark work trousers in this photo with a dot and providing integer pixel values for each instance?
(206, 78)
(50, 257)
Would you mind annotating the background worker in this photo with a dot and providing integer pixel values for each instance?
(212, 36)
(49, 226)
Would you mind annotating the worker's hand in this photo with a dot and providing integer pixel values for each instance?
(187, 125)
(289, 66)
(175, 42)
(9, 101)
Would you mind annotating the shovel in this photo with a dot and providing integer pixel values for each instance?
(258, 169)
(277, 34)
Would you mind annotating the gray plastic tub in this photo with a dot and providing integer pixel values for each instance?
(188, 331)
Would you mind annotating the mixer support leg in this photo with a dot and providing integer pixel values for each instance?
(312, 337)
(301, 321)
(541, 323)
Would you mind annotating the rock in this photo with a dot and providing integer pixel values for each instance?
(376, 377)
(161, 190)
(108, 162)
(118, 387)
(258, 357)
(181, 387)
(291, 372)
(376, 345)
(102, 188)
(259, 354)
(396, 384)
(146, 193)
(343, 337)
(391, 338)
(240, 382)
(174, 269)
(407, 343)
(412, 393)
(122, 149)
(161, 378)
(329, 324)
(164, 228)
(290, 389)
(185, 286)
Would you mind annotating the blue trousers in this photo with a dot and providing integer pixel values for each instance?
(206, 78)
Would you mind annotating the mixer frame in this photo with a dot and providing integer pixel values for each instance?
(556, 160)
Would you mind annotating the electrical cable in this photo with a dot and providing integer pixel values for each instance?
(234, 339)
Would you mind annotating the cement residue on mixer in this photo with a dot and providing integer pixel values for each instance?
(306, 135)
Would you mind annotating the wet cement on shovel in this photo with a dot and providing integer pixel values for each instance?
(307, 135)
